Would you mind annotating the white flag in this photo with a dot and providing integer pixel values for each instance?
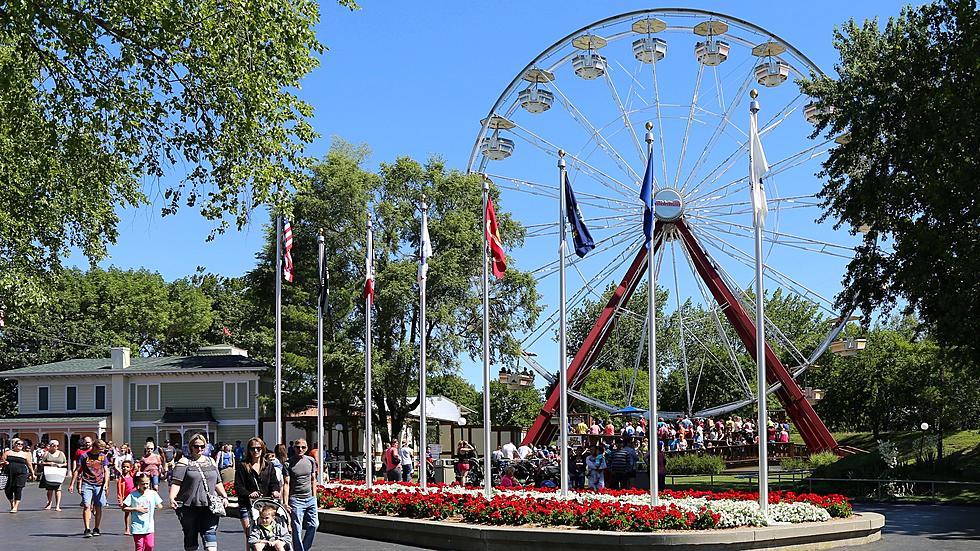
(425, 248)
(758, 167)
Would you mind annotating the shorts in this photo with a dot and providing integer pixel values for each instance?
(154, 480)
(93, 495)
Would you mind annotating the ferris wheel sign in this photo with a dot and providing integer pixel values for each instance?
(668, 205)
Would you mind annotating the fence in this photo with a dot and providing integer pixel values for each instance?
(894, 488)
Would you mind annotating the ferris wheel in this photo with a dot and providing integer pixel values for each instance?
(684, 76)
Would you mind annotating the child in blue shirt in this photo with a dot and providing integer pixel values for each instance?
(141, 503)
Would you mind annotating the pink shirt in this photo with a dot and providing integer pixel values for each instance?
(150, 464)
(127, 486)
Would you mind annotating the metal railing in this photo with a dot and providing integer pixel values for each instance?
(898, 488)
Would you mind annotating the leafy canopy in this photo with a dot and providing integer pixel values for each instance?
(338, 202)
(102, 99)
(909, 95)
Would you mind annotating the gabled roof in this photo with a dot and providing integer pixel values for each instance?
(166, 364)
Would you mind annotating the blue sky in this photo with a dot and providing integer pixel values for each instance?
(415, 78)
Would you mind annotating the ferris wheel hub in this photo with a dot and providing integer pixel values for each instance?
(668, 205)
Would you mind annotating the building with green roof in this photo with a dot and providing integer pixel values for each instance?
(125, 399)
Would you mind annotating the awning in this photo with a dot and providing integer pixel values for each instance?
(442, 409)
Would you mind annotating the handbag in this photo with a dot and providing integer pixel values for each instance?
(4, 477)
(215, 503)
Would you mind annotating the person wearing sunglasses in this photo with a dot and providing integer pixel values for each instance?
(255, 477)
(194, 477)
(18, 464)
(301, 477)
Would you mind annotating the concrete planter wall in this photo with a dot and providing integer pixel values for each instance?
(859, 529)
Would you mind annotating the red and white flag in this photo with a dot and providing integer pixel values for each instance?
(369, 268)
(287, 257)
(498, 259)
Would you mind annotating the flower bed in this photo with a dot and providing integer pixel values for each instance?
(622, 510)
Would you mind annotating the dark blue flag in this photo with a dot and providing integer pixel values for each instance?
(646, 195)
(580, 234)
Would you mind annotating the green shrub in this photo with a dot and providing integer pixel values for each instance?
(695, 464)
(822, 459)
(795, 464)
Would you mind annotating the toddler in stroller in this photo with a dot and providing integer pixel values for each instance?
(269, 529)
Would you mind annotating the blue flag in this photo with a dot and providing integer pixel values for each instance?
(646, 195)
(580, 234)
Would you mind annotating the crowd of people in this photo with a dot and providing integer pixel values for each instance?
(607, 455)
(686, 433)
(279, 481)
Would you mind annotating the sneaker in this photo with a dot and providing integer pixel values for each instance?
(96, 532)
(87, 533)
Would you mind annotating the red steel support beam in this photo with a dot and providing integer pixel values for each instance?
(542, 431)
(811, 427)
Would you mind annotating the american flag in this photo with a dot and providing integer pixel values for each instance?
(287, 258)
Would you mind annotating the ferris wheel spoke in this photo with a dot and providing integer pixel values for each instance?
(750, 305)
(623, 113)
(660, 122)
(680, 325)
(729, 161)
(577, 297)
(782, 165)
(551, 229)
(781, 238)
(719, 208)
(590, 128)
(596, 174)
(724, 120)
(690, 119)
(775, 275)
(713, 309)
(741, 382)
(600, 246)
(550, 191)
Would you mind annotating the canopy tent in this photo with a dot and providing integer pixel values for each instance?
(443, 409)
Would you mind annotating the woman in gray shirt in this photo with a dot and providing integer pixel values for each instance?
(193, 478)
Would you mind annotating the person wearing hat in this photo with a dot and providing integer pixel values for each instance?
(151, 464)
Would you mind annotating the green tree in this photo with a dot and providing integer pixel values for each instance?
(909, 97)
(105, 100)
(86, 313)
(339, 199)
(510, 408)
(457, 389)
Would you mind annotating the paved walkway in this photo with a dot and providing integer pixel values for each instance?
(908, 528)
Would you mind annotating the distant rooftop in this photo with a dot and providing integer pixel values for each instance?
(216, 357)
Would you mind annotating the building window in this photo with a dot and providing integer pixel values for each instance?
(236, 395)
(147, 397)
(71, 398)
(42, 398)
(100, 397)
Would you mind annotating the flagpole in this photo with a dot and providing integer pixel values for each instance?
(652, 343)
(487, 487)
(368, 433)
(760, 332)
(562, 341)
(278, 328)
(319, 359)
(423, 467)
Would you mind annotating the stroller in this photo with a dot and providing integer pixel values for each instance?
(280, 526)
